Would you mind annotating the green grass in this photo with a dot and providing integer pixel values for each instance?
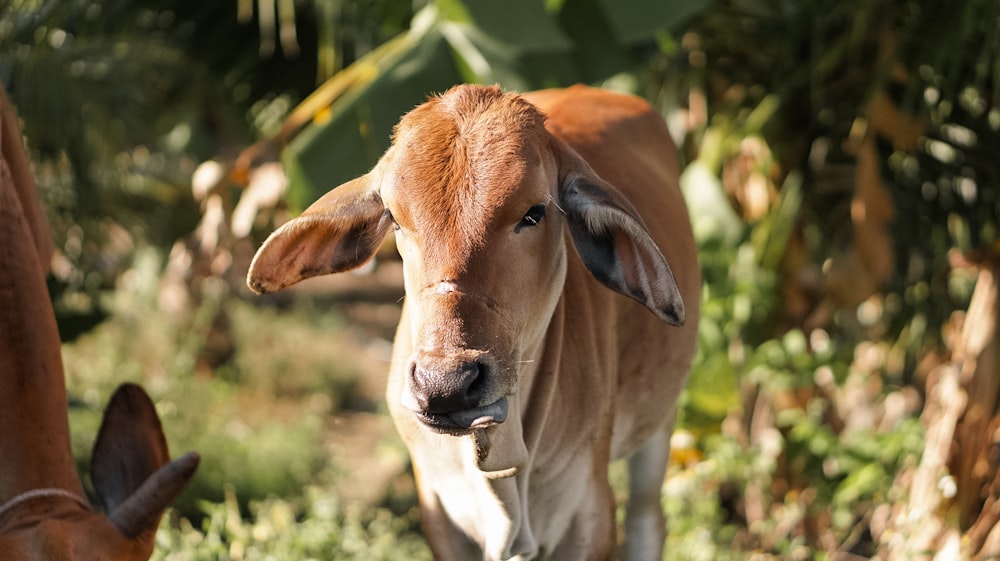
(316, 527)
(267, 486)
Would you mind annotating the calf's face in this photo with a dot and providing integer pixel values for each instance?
(479, 230)
(480, 197)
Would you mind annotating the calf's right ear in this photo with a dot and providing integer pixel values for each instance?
(613, 242)
(340, 231)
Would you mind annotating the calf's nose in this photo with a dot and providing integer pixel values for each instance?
(442, 385)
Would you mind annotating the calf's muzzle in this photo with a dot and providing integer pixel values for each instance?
(454, 393)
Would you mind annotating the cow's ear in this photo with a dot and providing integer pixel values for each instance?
(131, 468)
(340, 231)
(614, 244)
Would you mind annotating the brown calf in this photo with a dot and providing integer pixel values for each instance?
(517, 375)
(43, 513)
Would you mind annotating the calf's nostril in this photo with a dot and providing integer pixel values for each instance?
(443, 389)
(476, 385)
(418, 388)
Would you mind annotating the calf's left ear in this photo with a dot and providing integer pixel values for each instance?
(615, 246)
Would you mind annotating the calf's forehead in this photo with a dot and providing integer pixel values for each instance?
(458, 167)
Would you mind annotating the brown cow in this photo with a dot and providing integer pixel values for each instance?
(43, 513)
(517, 375)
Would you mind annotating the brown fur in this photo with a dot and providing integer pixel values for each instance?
(450, 148)
(43, 513)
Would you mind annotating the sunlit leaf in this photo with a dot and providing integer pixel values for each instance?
(356, 132)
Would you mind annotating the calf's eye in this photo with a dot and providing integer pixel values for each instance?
(531, 218)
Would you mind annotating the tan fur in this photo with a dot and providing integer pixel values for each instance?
(519, 370)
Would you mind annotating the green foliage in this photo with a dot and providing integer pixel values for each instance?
(822, 64)
(258, 423)
(700, 527)
(737, 299)
(322, 528)
(780, 455)
(271, 359)
(351, 135)
(121, 99)
(520, 45)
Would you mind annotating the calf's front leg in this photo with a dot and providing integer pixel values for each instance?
(645, 526)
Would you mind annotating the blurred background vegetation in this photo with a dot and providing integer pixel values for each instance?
(839, 164)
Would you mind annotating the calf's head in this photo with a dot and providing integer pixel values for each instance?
(480, 197)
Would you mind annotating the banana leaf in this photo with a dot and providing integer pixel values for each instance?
(347, 137)
(520, 44)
